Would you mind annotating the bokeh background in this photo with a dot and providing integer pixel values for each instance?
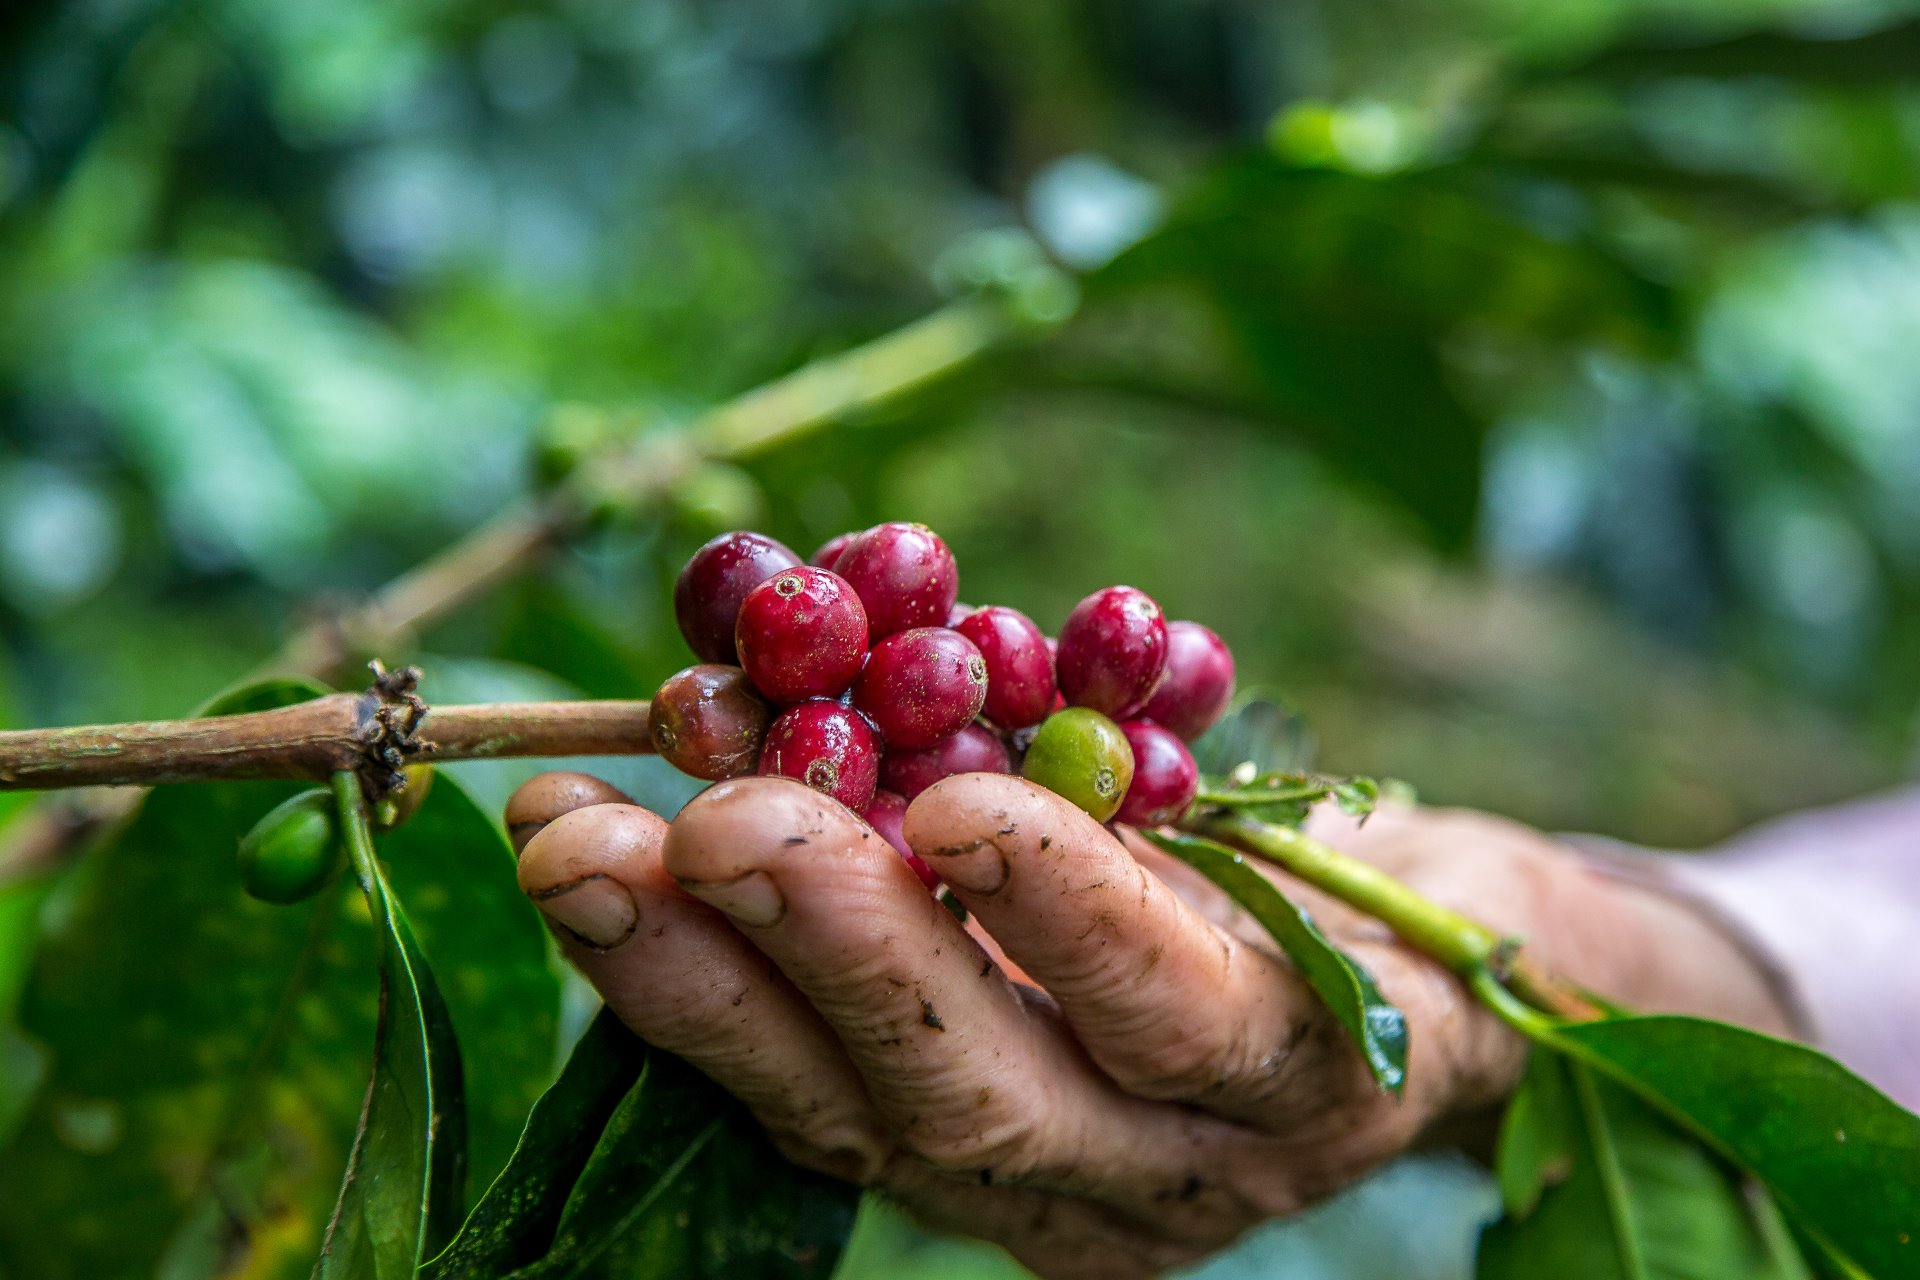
(1528, 392)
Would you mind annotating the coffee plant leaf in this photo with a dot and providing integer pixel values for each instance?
(514, 1223)
(1841, 1159)
(200, 1054)
(451, 865)
(635, 1164)
(1260, 730)
(1378, 1029)
(686, 1184)
(406, 1177)
(1537, 1134)
(1621, 1193)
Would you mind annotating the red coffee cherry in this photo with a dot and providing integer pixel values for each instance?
(975, 749)
(1113, 652)
(958, 614)
(830, 550)
(887, 815)
(922, 685)
(709, 721)
(829, 747)
(707, 595)
(1198, 684)
(1164, 776)
(1020, 688)
(904, 575)
(802, 634)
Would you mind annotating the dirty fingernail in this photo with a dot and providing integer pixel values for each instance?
(598, 910)
(752, 899)
(978, 867)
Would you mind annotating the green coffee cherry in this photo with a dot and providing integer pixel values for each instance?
(404, 803)
(293, 851)
(1080, 754)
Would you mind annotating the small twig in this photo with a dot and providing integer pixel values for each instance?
(374, 734)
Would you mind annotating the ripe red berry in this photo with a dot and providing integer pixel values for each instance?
(922, 685)
(708, 721)
(975, 749)
(829, 747)
(830, 550)
(1164, 776)
(707, 595)
(887, 815)
(1020, 688)
(802, 634)
(1199, 681)
(904, 574)
(958, 614)
(1113, 652)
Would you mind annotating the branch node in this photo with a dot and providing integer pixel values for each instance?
(392, 712)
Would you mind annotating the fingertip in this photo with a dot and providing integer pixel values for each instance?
(744, 824)
(968, 826)
(545, 797)
(618, 840)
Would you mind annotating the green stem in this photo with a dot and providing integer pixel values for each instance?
(1463, 945)
(1255, 796)
(356, 829)
(1512, 1010)
(862, 378)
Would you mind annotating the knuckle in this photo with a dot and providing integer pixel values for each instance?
(840, 1150)
(1179, 1054)
(1186, 1064)
(996, 1142)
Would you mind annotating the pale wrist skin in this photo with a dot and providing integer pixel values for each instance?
(1108, 1071)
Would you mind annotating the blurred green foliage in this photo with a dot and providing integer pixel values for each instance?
(1527, 391)
(1517, 361)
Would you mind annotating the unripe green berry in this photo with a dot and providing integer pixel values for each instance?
(400, 805)
(292, 851)
(1080, 754)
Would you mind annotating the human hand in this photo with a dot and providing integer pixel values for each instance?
(1109, 1070)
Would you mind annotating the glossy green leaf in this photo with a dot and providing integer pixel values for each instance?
(686, 1184)
(1841, 1158)
(1536, 1134)
(451, 865)
(1261, 731)
(634, 1164)
(1376, 1027)
(405, 1180)
(515, 1220)
(1627, 1195)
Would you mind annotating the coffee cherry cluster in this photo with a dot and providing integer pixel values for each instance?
(859, 674)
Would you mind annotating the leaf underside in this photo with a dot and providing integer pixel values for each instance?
(405, 1180)
(1841, 1159)
(635, 1164)
(1608, 1189)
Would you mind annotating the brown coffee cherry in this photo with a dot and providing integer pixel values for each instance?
(709, 721)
